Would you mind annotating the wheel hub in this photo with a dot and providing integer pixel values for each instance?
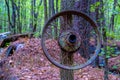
(69, 41)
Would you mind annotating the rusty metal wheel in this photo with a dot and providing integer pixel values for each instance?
(67, 37)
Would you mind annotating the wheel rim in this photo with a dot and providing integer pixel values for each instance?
(46, 30)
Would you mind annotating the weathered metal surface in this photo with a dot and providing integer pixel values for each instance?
(69, 41)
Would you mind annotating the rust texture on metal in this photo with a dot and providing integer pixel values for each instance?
(70, 40)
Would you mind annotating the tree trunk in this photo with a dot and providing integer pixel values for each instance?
(113, 16)
(56, 6)
(83, 6)
(36, 13)
(32, 16)
(13, 22)
(45, 11)
(8, 12)
(51, 13)
(67, 4)
(106, 71)
(13, 16)
(5, 22)
(35, 17)
(50, 9)
(18, 14)
(53, 9)
(66, 74)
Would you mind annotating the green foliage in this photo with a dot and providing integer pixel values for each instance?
(113, 35)
(109, 53)
(0, 10)
(114, 67)
(102, 52)
(110, 34)
(25, 15)
(37, 34)
(7, 44)
(94, 6)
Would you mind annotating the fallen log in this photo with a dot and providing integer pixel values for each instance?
(14, 38)
(5, 33)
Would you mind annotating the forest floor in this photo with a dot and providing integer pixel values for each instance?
(30, 63)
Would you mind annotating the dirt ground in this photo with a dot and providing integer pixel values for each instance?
(30, 63)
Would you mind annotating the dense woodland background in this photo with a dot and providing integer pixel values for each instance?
(24, 16)
(29, 16)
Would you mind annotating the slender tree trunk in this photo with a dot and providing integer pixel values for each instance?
(51, 13)
(13, 22)
(106, 72)
(102, 26)
(33, 22)
(50, 9)
(56, 6)
(112, 23)
(45, 11)
(13, 16)
(1, 24)
(21, 15)
(53, 8)
(25, 17)
(100, 23)
(8, 12)
(32, 15)
(5, 22)
(36, 13)
(18, 14)
(35, 17)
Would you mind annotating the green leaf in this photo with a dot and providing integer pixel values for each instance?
(7, 44)
(97, 4)
(107, 56)
(0, 10)
(94, 6)
(114, 67)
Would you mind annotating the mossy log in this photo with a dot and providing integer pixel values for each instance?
(14, 38)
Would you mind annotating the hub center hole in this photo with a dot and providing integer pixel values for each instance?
(72, 38)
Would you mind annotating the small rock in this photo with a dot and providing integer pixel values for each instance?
(19, 46)
(1, 50)
(13, 78)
